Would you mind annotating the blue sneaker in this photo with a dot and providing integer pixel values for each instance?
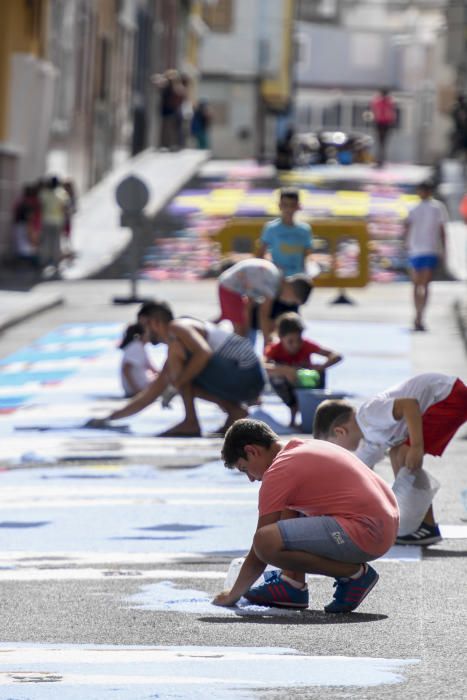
(350, 592)
(277, 593)
(425, 535)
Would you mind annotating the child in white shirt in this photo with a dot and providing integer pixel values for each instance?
(136, 370)
(425, 239)
(417, 417)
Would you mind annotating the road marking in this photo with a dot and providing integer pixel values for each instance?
(200, 671)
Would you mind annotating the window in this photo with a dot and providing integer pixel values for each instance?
(219, 15)
(361, 115)
(332, 115)
(219, 112)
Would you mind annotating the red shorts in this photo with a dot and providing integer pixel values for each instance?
(233, 306)
(442, 420)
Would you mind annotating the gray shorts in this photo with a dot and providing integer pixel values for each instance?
(323, 536)
(224, 378)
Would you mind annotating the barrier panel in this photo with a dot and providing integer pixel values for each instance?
(340, 247)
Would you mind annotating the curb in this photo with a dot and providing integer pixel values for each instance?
(30, 310)
(460, 312)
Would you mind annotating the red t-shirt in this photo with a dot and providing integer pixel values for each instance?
(318, 478)
(277, 353)
(383, 110)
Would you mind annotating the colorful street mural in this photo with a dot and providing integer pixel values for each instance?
(184, 247)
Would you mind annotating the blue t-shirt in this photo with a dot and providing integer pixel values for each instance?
(287, 245)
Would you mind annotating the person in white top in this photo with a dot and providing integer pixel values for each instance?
(136, 370)
(425, 238)
(417, 417)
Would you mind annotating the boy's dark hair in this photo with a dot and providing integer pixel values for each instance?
(135, 330)
(245, 431)
(329, 415)
(290, 193)
(301, 285)
(159, 310)
(427, 186)
(289, 323)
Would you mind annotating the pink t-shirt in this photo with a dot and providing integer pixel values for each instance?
(319, 478)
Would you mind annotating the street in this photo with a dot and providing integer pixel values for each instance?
(114, 542)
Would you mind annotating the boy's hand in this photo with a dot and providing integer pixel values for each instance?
(414, 458)
(224, 599)
(96, 423)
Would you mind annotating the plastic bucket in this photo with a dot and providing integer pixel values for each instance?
(308, 402)
(414, 492)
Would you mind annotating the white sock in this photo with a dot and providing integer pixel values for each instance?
(295, 584)
(360, 572)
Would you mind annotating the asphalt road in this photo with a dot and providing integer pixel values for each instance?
(109, 561)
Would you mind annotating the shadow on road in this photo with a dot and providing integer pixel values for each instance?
(308, 617)
(444, 553)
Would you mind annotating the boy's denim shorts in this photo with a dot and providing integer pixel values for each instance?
(323, 536)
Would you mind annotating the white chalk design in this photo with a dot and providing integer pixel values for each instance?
(54, 672)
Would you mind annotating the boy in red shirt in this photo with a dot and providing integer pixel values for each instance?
(290, 353)
(350, 518)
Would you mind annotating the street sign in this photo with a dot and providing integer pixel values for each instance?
(132, 195)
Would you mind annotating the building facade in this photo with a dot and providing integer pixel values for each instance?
(246, 62)
(26, 92)
(346, 54)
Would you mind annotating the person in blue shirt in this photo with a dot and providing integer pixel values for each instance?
(289, 243)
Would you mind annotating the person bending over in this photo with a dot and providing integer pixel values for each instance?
(417, 417)
(258, 281)
(203, 361)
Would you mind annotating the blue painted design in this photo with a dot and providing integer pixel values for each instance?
(15, 525)
(67, 350)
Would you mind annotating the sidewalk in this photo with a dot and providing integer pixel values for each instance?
(98, 237)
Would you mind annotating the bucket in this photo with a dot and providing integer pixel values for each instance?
(414, 492)
(308, 402)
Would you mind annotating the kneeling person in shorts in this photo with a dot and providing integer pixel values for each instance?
(350, 518)
(417, 417)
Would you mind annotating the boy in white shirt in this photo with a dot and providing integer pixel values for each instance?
(417, 417)
(425, 239)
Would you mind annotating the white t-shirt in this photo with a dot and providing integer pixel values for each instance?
(425, 221)
(135, 355)
(254, 278)
(375, 419)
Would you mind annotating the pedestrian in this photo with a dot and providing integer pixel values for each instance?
(54, 202)
(70, 189)
(26, 226)
(349, 517)
(459, 119)
(384, 115)
(417, 417)
(285, 150)
(201, 124)
(292, 352)
(287, 241)
(203, 361)
(136, 369)
(425, 237)
(172, 94)
(256, 281)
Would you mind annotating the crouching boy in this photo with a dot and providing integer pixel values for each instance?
(350, 518)
(417, 417)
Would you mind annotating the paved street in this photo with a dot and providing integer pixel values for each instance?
(114, 542)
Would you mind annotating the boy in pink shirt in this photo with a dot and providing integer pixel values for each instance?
(349, 517)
